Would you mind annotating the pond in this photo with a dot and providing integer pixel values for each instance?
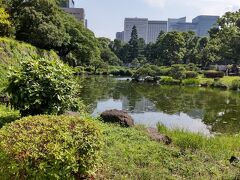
(204, 110)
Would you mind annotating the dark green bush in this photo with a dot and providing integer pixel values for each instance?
(164, 71)
(147, 70)
(169, 81)
(213, 74)
(191, 74)
(178, 71)
(42, 86)
(49, 147)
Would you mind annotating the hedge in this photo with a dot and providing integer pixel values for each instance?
(214, 74)
(49, 147)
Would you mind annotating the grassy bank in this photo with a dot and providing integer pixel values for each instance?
(128, 153)
(13, 51)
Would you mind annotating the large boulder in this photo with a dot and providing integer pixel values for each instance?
(117, 116)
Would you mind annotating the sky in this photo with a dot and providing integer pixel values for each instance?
(106, 17)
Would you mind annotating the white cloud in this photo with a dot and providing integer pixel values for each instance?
(203, 6)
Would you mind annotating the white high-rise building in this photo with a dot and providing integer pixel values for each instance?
(141, 25)
(154, 28)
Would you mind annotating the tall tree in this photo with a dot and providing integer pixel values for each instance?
(133, 45)
(170, 49)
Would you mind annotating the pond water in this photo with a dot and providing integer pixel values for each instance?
(194, 109)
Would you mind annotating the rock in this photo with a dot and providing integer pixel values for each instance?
(117, 116)
(156, 136)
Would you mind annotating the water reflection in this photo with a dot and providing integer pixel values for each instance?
(193, 109)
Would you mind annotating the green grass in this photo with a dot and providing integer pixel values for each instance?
(7, 115)
(226, 80)
(130, 154)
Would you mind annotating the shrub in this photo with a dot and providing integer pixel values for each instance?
(235, 85)
(178, 71)
(164, 71)
(146, 70)
(42, 86)
(169, 81)
(191, 74)
(213, 74)
(49, 147)
(191, 82)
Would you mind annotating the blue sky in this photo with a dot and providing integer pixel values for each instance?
(106, 17)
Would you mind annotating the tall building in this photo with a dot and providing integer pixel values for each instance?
(120, 36)
(141, 25)
(79, 13)
(149, 30)
(204, 24)
(67, 4)
(154, 28)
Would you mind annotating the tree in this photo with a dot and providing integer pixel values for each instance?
(43, 24)
(6, 28)
(133, 51)
(97, 64)
(170, 49)
(42, 86)
(106, 53)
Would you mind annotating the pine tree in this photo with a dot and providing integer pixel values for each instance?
(133, 45)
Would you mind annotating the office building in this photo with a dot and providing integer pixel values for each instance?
(79, 13)
(149, 30)
(154, 29)
(204, 24)
(120, 36)
(141, 25)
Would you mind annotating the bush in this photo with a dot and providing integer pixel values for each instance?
(169, 81)
(191, 82)
(49, 147)
(178, 71)
(213, 74)
(147, 70)
(42, 86)
(164, 71)
(235, 85)
(191, 74)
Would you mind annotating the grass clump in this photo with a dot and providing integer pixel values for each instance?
(49, 147)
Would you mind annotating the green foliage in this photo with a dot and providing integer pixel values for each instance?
(191, 82)
(120, 71)
(170, 49)
(6, 27)
(43, 24)
(235, 85)
(42, 86)
(213, 74)
(169, 81)
(178, 71)
(147, 70)
(49, 147)
(107, 55)
(191, 74)
(130, 154)
(12, 52)
(7, 115)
